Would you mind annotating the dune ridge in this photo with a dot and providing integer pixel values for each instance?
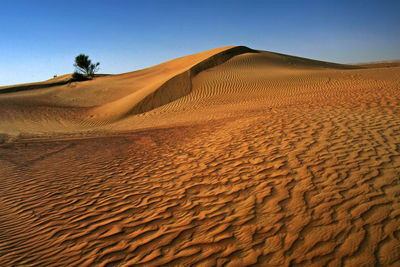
(157, 95)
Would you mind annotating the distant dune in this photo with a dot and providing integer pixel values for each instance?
(229, 157)
(382, 64)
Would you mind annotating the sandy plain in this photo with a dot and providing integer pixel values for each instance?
(230, 157)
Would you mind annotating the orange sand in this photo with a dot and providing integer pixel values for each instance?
(230, 157)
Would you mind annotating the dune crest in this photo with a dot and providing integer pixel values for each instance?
(166, 90)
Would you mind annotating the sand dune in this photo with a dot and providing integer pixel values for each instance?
(73, 106)
(230, 157)
(62, 106)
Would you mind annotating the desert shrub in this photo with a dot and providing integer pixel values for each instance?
(84, 65)
(76, 76)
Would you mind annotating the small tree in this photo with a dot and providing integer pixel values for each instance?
(84, 65)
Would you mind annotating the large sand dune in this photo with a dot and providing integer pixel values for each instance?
(230, 157)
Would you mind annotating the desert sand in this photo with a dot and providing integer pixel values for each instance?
(230, 157)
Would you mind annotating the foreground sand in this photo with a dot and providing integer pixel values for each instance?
(251, 158)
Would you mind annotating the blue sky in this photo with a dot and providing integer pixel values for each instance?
(41, 38)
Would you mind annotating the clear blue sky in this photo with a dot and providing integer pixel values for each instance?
(41, 38)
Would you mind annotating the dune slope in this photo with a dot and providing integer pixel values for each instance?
(62, 106)
(257, 158)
